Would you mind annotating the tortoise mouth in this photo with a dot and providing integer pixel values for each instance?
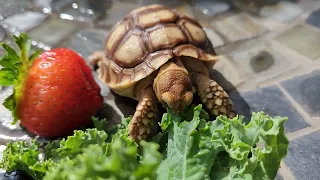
(174, 110)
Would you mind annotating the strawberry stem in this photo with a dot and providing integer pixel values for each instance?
(15, 69)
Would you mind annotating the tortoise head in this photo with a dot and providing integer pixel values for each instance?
(173, 87)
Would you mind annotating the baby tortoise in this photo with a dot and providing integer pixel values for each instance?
(155, 54)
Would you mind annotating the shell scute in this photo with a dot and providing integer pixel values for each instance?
(145, 40)
(130, 51)
(150, 19)
(165, 36)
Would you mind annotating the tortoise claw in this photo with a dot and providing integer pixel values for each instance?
(214, 97)
(144, 117)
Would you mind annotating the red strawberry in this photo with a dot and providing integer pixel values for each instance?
(54, 93)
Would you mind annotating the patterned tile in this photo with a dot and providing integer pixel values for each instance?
(210, 8)
(77, 15)
(303, 157)
(271, 101)
(10, 7)
(305, 90)
(261, 59)
(24, 21)
(216, 40)
(185, 9)
(238, 27)
(85, 10)
(303, 39)
(169, 3)
(116, 12)
(314, 19)
(53, 31)
(282, 11)
(49, 6)
(87, 41)
(279, 177)
(2, 34)
(226, 74)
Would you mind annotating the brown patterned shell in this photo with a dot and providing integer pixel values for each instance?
(146, 39)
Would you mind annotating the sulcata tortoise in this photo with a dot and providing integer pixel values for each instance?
(156, 54)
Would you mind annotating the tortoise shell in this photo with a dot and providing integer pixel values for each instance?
(147, 38)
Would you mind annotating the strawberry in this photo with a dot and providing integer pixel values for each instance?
(54, 92)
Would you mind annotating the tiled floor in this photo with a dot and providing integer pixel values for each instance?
(270, 59)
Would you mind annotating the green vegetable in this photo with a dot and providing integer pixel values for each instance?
(87, 154)
(24, 156)
(222, 149)
(14, 69)
(191, 148)
(75, 144)
(121, 163)
(100, 124)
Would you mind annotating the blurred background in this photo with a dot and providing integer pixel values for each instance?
(270, 58)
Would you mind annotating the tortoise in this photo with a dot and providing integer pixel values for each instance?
(156, 54)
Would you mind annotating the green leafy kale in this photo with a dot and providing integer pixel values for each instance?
(14, 69)
(192, 148)
(75, 144)
(224, 148)
(100, 124)
(121, 163)
(86, 154)
(25, 156)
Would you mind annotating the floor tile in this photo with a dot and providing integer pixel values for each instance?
(53, 31)
(49, 6)
(238, 27)
(210, 8)
(85, 10)
(303, 39)
(1, 54)
(10, 7)
(253, 6)
(2, 34)
(314, 19)
(76, 15)
(215, 39)
(169, 3)
(87, 41)
(305, 90)
(261, 59)
(279, 177)
(283, 11)
(226, 74)
(271, 101)
(116, 12)
(24, 21)
(185, 9)
(303, 157)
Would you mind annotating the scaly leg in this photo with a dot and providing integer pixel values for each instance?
(145, 115)
(211, 93)
(96, 58)
(213, 96)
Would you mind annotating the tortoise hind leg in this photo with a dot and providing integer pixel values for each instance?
(95, 58)
(145, 115)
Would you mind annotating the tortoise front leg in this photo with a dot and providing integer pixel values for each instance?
(213, 96)
(145, 115)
